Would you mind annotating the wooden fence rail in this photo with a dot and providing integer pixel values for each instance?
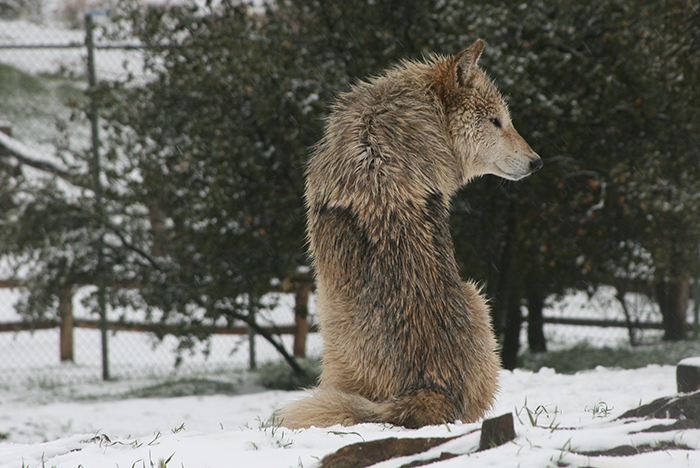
(604, 323)
(67, 334)
(282, 329)
(143, 327)
(300, 288)
(299, 285)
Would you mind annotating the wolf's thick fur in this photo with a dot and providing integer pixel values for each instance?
(405, 340)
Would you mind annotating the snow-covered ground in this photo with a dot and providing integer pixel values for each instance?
(54, 414)
(71, 427)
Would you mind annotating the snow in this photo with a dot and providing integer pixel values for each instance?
(49, 428)
(64, 52)
(690, 362)
(25, 151)
(49, 60)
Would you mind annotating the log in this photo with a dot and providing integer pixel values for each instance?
(363, 454)
(681, 407)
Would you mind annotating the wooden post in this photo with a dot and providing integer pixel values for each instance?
(696, 308)
(301, 314)
(252, 364)
(6, 128)
(496, 431)
(65, 312)
(688, 375)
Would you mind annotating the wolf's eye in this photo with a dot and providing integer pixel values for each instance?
(496, 122)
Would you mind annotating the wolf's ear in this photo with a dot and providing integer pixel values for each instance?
(466, 62)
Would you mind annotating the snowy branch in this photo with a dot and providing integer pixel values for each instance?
(29, 157)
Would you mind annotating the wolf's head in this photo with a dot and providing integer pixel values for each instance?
(479, 125)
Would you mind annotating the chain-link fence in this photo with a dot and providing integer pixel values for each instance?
(42, 75)
(33, 352)
(36, 354)
(599, 320)
(42, 78)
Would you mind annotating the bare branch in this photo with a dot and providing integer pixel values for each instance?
(135, 249)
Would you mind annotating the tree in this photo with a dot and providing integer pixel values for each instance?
(205, 161)
(669, 198)
(586, 89)
(219, 138)
(219, 143)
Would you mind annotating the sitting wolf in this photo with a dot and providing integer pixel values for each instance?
(405, 340)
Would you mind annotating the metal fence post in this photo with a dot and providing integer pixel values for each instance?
(252, 365)
(97, 174)
(696, 308)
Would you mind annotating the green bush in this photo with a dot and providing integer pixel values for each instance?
(186, 387)
(279, 376)
(584, 356)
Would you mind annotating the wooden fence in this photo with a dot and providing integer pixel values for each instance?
(66, 330)
(299, 286)
(299, 330)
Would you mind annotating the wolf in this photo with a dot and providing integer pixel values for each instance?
(405, 340)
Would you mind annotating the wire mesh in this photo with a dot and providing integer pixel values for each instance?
(27, 354)
(42, 74)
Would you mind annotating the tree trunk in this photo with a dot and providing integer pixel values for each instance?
(511, 336)
(672, 297)
(505, 284)
(157, 218)
(535, 322)
(631, 330)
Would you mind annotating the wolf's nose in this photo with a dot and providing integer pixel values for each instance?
(536, 164)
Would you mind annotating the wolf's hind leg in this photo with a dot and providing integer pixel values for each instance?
(426, 407)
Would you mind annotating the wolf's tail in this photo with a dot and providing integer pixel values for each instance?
(327, 407)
